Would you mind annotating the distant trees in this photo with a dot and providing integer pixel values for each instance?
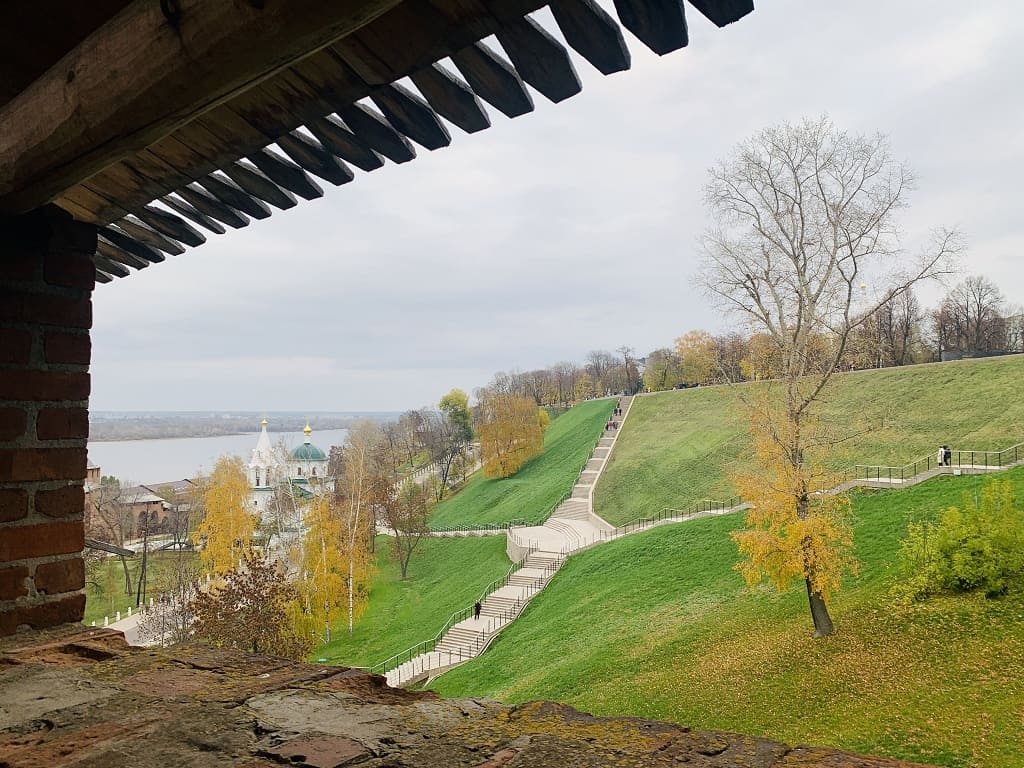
(227, 529)
(698, 355)
(511, 431)
(406, 515)
(974, 320)
(802, 215)
(663, 370)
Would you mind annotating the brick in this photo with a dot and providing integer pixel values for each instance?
(17, 266)
(12, 423)
(44, 385)
(29, 464)
(61, 576)
(23, 307)
(21, 542)
(61, 502)
(12, 582)
(67, 610)
(15, 345)
(62, 423)
(13, 504)
(70, 269)
(75, 348)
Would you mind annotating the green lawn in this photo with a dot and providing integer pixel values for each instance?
(535, 488)
(659, 625)
(445, 575)
(104, 588)
(679, 447)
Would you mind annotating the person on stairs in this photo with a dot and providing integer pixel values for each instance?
(476, 610)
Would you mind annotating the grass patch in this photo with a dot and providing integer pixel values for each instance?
(445, 575)
(542, 481)
(104, 587)
(659, 625)
(679, 447)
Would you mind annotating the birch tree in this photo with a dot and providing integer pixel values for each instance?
(805, 245)
(228, 527)
(353, 504)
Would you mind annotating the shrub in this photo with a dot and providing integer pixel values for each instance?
(978, 547)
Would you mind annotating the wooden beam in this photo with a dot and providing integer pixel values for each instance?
(338, 139)
(658, 24)
(315, 159)
(494, 79)
(377, 132)
(108, 267)
(252, 180)
(121, 256)
(138, 77)
(103, 277)
(592, 33)
(286, 174)
(188, 211)
(451, 98)
(207, 204)
(540, 59)
(231, 194)
(135, 228)
(722, 12)
(126, 243)
(411, 115)
(171, 225)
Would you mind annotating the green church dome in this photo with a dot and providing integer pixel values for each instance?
(308, 452)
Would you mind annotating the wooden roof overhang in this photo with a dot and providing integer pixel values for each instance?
(163, 120)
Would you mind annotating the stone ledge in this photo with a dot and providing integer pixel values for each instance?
(83, 697)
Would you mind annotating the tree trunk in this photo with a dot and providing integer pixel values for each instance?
(127, 576)
(819, 612)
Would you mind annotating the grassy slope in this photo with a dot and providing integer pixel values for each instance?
(679, 447)
(660, 625)
(540, 483)
(445, 575)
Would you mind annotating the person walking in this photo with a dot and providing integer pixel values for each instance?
(947, 455)
(940, 456)
(476, 609)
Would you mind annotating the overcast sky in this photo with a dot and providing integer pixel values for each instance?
(572, 228)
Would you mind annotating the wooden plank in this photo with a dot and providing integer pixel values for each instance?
(103, 277)
(377, 132)
(138, 77)
(540, 59)
(592, 33)
(493, 79)
(252, 180)
(722, 12)
(171, 225)
(90, 206)
(188, 211)
(315, 159)
(127, 181)
(116, 237)
(287, 174)
(338, 139)
(135, 228)
(232, 195)
(109, 267)
(411, 115)
(113, 253)
(658, 24)
(207, 204)
(451, 98)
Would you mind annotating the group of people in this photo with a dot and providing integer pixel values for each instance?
(944, 457)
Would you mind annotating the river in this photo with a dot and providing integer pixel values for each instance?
(151, 462)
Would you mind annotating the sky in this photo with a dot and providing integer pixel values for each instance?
(573, 228)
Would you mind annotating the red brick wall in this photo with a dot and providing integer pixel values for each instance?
(46, 282)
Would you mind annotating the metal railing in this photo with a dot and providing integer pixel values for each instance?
(968, 459)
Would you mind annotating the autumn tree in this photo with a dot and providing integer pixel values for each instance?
(229, 524)
(322, 570)
(511, 432)
(663, 370)
(803, 216)
(406, 518)
(698, 355)
(584, 388)
(250, 607)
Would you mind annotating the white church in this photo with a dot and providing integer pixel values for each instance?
(301, 471)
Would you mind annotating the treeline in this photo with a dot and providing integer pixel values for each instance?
(151, 427)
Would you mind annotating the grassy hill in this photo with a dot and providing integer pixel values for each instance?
(679, 447)
(445, 575)
(535, 488)
(659, 625)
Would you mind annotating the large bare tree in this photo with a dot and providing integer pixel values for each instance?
(805, 245)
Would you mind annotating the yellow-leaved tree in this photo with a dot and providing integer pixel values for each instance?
(511, 431)
(322, 571)
(698, 354)
(793, 530)
(227, 529)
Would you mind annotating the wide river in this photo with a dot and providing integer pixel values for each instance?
(151, 462)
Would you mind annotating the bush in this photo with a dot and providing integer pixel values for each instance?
(978, 547)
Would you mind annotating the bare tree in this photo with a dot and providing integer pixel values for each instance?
(971, 319)
(805, 215)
